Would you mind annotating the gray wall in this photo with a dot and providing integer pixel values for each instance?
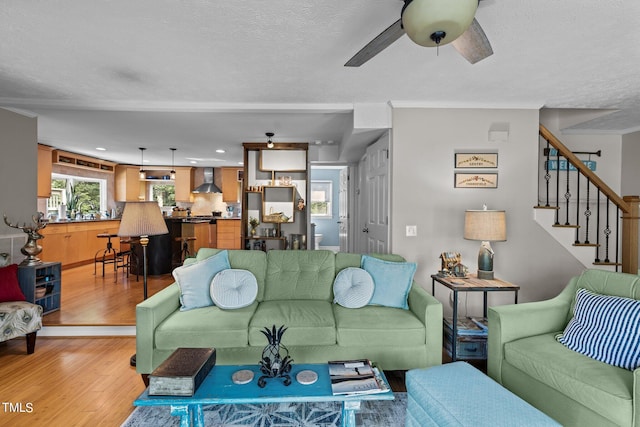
(424, 142)
(630, 169)
(18, 168)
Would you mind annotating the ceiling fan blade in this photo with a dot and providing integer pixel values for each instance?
(377, 45)
(473, 44)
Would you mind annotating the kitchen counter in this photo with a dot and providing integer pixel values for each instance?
(74, 221)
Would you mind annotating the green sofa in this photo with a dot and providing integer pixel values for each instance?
(294, 289)
(576, 390)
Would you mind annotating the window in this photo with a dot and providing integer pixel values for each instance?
(321, 194)
(79, 194)
(164, 194)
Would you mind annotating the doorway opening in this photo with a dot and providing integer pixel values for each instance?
(330, 202)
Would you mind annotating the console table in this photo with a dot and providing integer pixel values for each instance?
(470, 284)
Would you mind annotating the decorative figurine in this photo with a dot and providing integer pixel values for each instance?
(275, 362)
(31, 249)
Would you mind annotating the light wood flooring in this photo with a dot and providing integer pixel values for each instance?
(68, 382)
(89, 299)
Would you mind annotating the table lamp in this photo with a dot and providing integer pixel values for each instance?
(142, 219)
(486, 226)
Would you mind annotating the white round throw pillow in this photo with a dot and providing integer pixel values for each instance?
(234, 288)
(353, 287)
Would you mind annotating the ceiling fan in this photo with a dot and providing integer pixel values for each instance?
(433, 23)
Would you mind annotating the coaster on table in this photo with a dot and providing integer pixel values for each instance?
(307, 377)
(243, 376)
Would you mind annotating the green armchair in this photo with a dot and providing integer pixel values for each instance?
(576, 390)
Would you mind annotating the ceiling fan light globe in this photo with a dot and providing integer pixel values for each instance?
(422, 18)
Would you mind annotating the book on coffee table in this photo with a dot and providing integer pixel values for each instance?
(351, 377)
(182, 373)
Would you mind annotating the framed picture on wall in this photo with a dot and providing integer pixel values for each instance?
(476, 180)
(476, 160)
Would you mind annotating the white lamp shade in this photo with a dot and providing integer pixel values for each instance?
(142, 219)
(485, 225)
(421, 18)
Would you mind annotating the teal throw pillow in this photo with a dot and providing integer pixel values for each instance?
(194, 280)
(392, 281)
(353, 288)
(234, 288)
(605, 328)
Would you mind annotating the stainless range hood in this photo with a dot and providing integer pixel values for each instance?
(208, 186)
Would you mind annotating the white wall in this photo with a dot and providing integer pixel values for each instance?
(18, 174)
(424, 142)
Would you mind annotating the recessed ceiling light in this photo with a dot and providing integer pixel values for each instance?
(219, 150)
(241, 163)
(193, 162)
(330, 142)
(101, 149)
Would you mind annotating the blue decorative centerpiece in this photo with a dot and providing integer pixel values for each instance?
(275, 362)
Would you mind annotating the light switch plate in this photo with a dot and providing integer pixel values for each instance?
(412, 230)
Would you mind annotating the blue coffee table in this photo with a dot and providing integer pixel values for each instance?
(218, 388)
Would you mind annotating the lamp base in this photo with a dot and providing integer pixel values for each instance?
(485, 275)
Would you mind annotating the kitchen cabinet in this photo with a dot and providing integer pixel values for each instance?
(228, 234)
(199, 230)
(231, 187)
(183, 184)
(44, 171)
(128, 187)
(76, 243)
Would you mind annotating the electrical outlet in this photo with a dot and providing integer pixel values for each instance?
(412, 230)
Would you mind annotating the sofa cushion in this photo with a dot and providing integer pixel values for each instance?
(380, 326)
(604, 388)
(309, 322)
(347, 259)
(234, 288)
(606, 328)
(299, 275)
(253, 261)
(353, 288)
(392, 281)
(205, 327)
(194, 280)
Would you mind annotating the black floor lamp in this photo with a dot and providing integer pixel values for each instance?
(142, 219)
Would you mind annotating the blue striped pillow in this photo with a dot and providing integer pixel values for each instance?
(605, 328)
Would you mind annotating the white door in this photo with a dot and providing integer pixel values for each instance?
(343, 209)
(376, 209)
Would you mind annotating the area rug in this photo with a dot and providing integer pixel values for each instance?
(387, 413)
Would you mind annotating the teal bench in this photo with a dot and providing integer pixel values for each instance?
(457, 394)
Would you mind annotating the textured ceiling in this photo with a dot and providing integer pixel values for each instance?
(200, 75)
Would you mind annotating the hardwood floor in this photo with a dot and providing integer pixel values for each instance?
(68, 382)
(89, 299)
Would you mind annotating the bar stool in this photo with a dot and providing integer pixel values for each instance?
(125, 256)
(108, 255)
(184, 251)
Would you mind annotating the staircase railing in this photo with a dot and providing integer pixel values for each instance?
(616, 218)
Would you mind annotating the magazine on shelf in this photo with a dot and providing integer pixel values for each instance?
(355, 377)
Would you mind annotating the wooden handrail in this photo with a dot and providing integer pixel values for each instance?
(577, 163)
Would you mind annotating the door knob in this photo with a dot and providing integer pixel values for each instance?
(365, 230)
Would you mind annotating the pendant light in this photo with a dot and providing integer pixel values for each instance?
(172, 174)
(269, 141)
(142, 174)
